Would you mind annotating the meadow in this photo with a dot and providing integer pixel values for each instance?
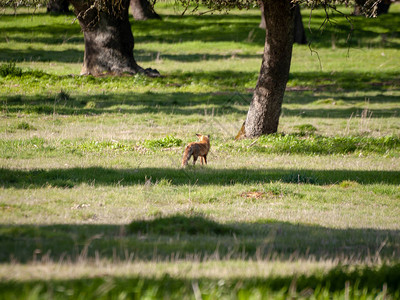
(94, 202)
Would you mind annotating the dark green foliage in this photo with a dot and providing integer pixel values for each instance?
(63, 96)
(37, 74)
(25, 126)
(89, 146)
(278, 190)
(167, 142)
(180, 224)
(10, 70)
(324, 145)
(306, 129)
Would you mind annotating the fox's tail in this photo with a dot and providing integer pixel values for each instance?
(186, 155)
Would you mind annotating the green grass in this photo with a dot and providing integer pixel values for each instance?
(273, 144)
(359, 283)
(94, 203)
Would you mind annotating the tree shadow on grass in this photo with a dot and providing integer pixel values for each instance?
(206, 28)
(176, 103)
(323, 97)
(73, 55)
(15, 178)
(340, 112)
(147, 56)
(59, 32)
(172, 29)
(193, 238)
(378, 32)
(29, 54)
(340, 282)
(330, 104)
(241, 28)
(196, 105)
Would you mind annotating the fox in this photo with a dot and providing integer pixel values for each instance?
(197, 149)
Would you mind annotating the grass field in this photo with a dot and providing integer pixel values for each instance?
(94, 203)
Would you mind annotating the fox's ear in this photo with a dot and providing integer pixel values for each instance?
(208, 136)
(199, 135)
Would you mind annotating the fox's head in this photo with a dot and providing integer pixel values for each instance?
(201, 137)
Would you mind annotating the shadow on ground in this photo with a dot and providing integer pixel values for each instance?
(18, 178)
(194, 237)
(360, 282)
(322, 99)
(244, 28)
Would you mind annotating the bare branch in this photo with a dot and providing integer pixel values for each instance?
(316, 52)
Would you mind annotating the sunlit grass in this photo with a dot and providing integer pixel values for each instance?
(91, 186)
(201, 280)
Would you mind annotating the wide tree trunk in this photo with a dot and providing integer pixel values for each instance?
(143, 10)
(58, 6)
(108, 38)
(265, 107)
(299, 35)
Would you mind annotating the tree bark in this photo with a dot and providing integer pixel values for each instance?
(265, 108)
(108, 39)
(299, 36)
(142, 10)
(58, 6)
(381, 8)
(262, 25)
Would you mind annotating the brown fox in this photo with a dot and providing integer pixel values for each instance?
(197, 149)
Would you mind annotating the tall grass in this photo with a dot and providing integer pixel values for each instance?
(336, 284)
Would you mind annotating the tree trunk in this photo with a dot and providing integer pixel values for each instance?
(381, 8)
(299, 36)
(357, 9)
(58, 6)
(108, 39)
(143, 10)
(265, 107)
(262, 25)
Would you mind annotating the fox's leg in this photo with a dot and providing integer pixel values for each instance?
(205, 158)
(194, 159)
(201, 159)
